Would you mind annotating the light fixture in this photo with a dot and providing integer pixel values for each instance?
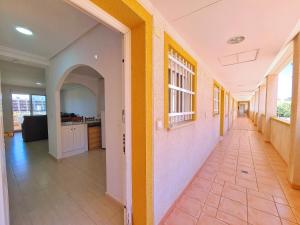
(236, 40)
(24, 30)
(38, 83)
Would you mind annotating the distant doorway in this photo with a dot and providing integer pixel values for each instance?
(20, 108)
(26, 105)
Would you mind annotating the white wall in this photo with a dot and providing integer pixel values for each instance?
(95, 84)
(108, 45)
(78, 99)
(7, 90)
(4, 207)
(281, 138)
(172, 149)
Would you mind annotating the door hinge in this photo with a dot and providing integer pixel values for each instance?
(124, 143)
(128, 216)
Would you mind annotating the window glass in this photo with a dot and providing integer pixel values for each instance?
(21, 107)
(38, 104)
(284, 96)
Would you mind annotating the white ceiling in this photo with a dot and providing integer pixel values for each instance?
(55, 25)
(208, 24)
(21, 75)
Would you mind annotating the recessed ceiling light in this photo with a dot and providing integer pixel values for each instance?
(38, 83)
(24, 30)
(236, 40)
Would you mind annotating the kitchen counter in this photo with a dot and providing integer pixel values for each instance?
(89, 123)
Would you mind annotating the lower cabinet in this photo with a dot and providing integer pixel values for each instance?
(74, 139)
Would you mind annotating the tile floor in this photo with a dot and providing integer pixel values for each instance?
(43, 191)
(244, 181)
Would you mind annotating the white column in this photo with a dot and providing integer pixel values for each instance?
(294, 163)
(255, 107)
(271, 103)
(261, 105)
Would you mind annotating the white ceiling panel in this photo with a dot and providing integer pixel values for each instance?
(266, 24)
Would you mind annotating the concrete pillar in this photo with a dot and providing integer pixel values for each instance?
(271, 103)
(255, 107)
(261, 105)
(294, 162)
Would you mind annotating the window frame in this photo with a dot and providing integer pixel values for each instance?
(32, 104)
(171, 43)
(216, 85)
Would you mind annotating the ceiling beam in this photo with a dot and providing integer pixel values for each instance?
(17, 56)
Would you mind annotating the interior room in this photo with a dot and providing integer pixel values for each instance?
(45, 188)
(150, 112)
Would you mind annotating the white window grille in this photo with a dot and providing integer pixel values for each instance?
(216, 100)
(181, 89)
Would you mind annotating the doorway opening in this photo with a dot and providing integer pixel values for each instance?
(65, 72)
(26, 105)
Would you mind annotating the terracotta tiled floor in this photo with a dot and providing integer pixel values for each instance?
(43, 191)
(244, 181)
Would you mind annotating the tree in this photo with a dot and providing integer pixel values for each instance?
(284, 109)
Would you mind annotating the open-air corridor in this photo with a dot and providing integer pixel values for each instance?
(244, 181)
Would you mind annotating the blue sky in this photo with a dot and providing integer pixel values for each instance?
(285, 82)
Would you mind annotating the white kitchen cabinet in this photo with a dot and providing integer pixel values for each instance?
(74, 139)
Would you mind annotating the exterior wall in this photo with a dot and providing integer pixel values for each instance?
(263, 124)
(261, 106)
(108, 45)
(192, 143)
(281, 138)
(7, 90)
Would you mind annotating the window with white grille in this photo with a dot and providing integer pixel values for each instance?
(181, 89)
(216, 96)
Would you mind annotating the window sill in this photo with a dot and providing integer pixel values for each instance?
(180, 125)
(283, 121)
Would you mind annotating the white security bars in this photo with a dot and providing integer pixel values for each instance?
(181, 89)
(216, 100)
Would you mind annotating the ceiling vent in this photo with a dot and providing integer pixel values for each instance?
(240, 57)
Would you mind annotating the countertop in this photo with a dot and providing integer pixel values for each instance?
(89, 123)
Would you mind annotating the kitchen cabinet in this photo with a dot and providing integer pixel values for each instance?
(74, 139)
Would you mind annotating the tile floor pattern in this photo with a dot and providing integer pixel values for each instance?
(243, 182)
(43, 191)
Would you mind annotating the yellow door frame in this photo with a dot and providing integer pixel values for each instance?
(139, 21)
(222, 112)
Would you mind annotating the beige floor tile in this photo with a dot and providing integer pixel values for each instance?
(43, 191)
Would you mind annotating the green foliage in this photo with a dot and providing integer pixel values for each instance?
(284, 109)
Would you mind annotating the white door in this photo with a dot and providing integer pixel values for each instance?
(79, 133)
(67, 138)
(4, 209)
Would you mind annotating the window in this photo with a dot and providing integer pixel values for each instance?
(181, 85)
(226, 104)
(38, 104)
(216, 96)
(284, 95)
(26, 105)
(20, 107)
